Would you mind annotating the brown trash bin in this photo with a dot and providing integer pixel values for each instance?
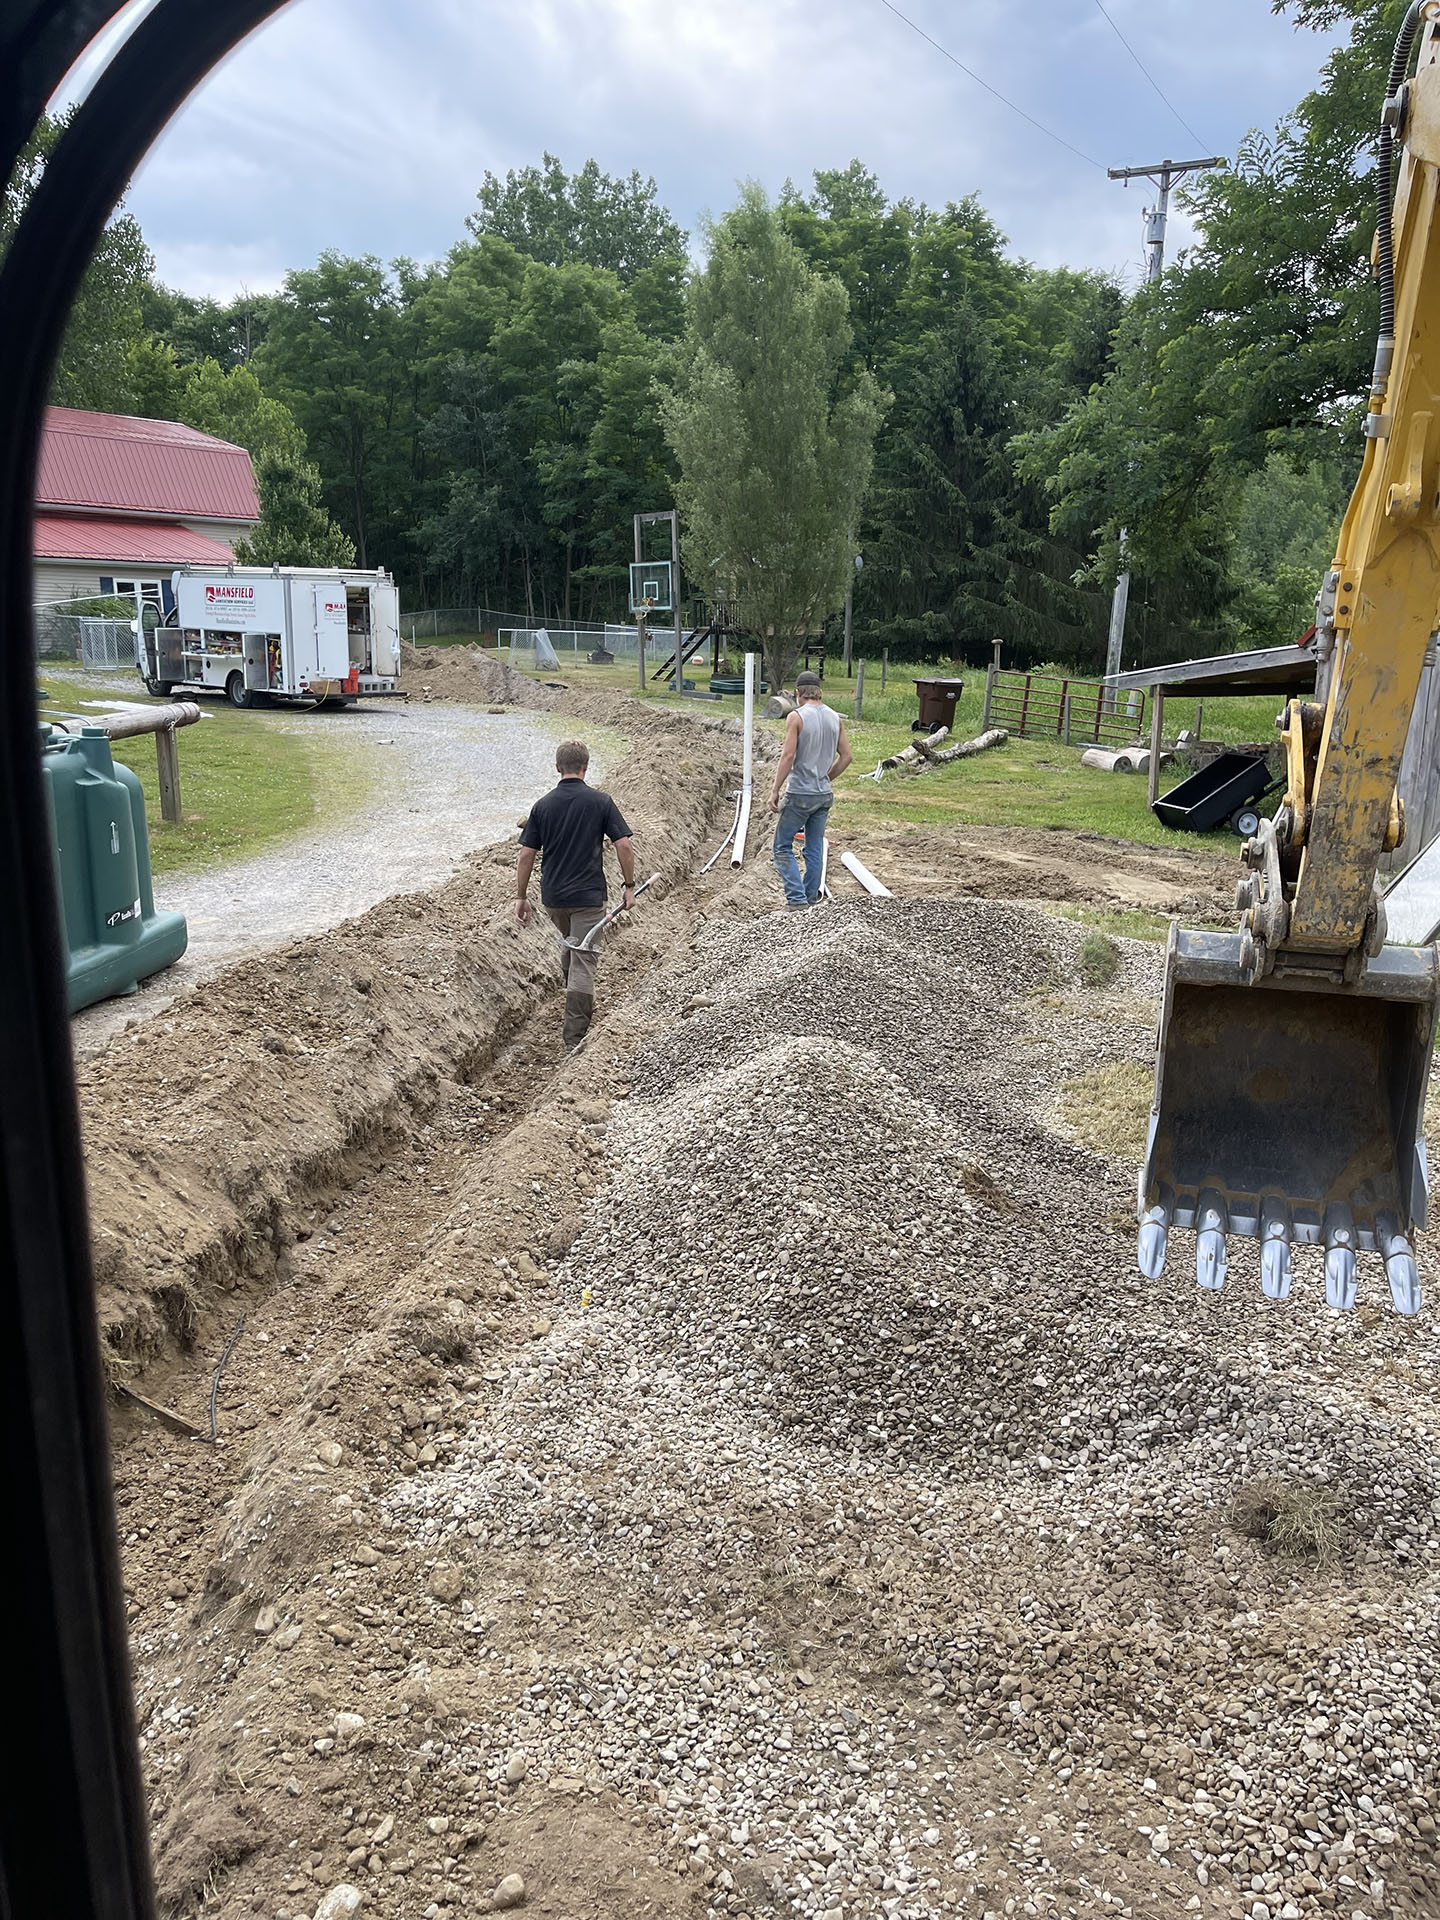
(937, 703)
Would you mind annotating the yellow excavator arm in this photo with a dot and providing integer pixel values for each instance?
(1294, 1055)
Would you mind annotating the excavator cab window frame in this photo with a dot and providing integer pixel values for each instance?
(73, 1825)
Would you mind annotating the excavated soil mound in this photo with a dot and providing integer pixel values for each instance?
(738, 1471)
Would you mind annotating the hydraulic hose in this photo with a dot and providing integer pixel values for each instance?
(1385, 196)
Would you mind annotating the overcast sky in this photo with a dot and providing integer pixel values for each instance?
(366, 125)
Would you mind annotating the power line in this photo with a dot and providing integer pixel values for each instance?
(1151, 78)
(970, 74)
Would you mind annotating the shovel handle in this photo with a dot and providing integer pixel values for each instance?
(583, 946)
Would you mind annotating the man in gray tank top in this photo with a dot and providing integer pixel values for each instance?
(816, 752)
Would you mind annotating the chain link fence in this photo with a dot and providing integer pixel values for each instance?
(98, 633)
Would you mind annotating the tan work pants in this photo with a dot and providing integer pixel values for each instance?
(574, 923)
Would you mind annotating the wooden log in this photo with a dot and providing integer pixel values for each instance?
(917, 750)
(967, 749)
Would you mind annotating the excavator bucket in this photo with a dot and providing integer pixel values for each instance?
(1290, 1111)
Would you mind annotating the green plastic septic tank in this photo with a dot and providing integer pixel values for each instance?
(113, 935)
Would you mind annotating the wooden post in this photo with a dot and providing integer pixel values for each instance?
(167, 763)
(1157, 722)
(884, 666)
(859, 687)
(640, 644)
(1024, 707)
(1199, 719)
(990, 673)
(1065, 713)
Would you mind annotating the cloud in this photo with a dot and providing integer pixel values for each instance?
(367, 126)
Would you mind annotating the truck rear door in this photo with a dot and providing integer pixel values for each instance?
(332, 633)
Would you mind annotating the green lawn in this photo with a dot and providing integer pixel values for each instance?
(1028, 783)
(246, 779)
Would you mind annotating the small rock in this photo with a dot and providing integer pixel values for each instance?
(509, 1893)
(516, 1768)
(539, 1328)
(347, 1725)
(331, 1452)
(339, 1903)
(447, 1583)
(286, 1637)
(438, 1823)
(383, 1832)
(365, 1557)
(266, 1621)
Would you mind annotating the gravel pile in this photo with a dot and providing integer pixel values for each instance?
(922, 1529)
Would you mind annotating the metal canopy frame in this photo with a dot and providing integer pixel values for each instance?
(73, 1825)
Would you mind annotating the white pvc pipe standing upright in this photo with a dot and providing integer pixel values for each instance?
(742, 825)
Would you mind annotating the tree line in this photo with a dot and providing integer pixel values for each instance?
(847, 374)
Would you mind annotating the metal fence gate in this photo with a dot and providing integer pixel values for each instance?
(1048, 706)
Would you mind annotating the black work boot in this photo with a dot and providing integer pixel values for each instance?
(579, 1010)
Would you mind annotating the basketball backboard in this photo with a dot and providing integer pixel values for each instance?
(650, 586)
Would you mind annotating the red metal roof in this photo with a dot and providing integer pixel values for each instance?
(114, 462)
(156, 543)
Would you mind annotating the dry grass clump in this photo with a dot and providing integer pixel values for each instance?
(1302, 1522)
(987, 1189)
(1099, 960)
(437, 1337)
(1108, 1108)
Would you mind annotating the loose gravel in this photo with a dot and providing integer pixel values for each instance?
(911, 1509)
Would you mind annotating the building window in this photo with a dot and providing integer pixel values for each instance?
(143, 589)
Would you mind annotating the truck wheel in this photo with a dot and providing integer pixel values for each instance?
(162, 688)
(1246, 822)
(237, 693)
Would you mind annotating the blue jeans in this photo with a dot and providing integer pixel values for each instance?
(806, 814)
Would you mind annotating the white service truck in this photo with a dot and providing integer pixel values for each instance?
(308, 635)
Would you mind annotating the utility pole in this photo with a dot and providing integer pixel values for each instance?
(1164, 173)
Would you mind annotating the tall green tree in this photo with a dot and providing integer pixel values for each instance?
(107, 316)
(1257, 343)
(294, 530)
(773, 441)
(589, 218)
(332, 354)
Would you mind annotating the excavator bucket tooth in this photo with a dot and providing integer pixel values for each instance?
(1289, 1110)
(1155, 1235)
(1340, 1262)
(1212, 1223)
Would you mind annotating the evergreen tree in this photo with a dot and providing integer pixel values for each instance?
(774, 445)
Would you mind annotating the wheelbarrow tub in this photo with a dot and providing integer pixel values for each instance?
(1208, 798)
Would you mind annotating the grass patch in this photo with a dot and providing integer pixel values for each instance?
(247, 780)
(1298, 1521)
(1099, 960)
(1109, 1108)
(1124, 923)
(1027, 783)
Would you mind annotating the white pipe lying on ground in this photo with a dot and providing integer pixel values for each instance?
(742, 822)
(863, 874)
(825, 870)
(730, 833)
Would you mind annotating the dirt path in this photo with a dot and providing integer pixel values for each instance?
(445, 780)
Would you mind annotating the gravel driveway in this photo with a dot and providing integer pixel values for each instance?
(445, 780)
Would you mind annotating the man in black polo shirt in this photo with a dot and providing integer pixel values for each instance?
(569, 828)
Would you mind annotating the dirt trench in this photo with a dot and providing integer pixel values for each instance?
(733, 1471)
